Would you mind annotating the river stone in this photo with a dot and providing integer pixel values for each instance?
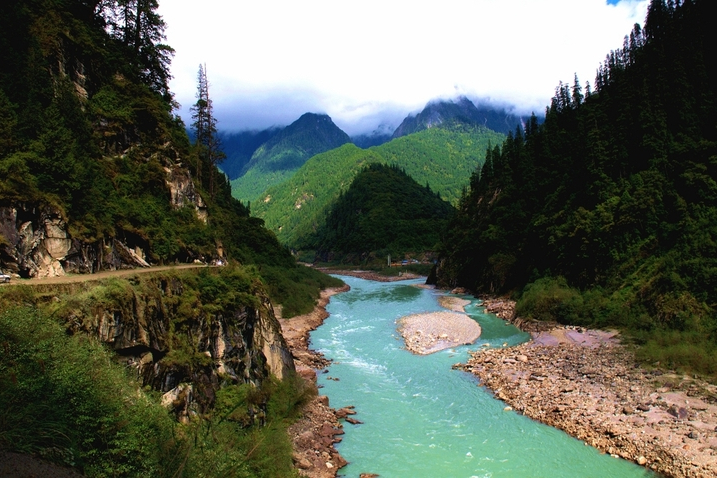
(641, 460)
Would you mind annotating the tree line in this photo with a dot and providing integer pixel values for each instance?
(608, 209)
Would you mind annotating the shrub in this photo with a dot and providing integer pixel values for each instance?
(62, 397)
(550, 299)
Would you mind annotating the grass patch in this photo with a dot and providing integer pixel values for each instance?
(297, 288)
(63, 398)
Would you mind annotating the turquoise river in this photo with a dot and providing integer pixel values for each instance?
(423, 419)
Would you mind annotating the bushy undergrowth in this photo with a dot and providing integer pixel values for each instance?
(63, 398)
(680, 337)
(226, 446)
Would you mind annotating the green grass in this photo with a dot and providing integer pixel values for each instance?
(65, 399)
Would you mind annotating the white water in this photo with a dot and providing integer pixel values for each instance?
(422, 419)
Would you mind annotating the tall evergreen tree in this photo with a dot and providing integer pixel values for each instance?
(205, 128)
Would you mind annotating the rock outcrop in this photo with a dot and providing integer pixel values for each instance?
(186, 358)
(37, 244)
(35, 240)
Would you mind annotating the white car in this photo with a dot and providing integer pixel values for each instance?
(4, 278)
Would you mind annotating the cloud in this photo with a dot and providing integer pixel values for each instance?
(359, 62)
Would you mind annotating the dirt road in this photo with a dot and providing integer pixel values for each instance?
(100, 275)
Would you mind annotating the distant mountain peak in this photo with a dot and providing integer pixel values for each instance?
(458, 110)
(286, 151)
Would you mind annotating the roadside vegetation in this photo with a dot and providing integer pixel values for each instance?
(67, 399)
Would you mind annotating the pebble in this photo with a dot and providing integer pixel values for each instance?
(600, 396)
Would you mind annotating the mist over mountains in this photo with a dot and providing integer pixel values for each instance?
(299, 141)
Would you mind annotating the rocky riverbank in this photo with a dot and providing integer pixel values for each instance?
(314, 435)
(589, 385)
(369, 275)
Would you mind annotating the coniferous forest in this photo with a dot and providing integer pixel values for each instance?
(606, 213)
(383, 212)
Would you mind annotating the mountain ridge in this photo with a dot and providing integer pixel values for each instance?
(459, 110)
(277, 159)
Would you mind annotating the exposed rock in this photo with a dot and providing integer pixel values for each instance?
(585, 383)
(315, 433)
(38, 245)
(242, 345)
(37, 242)
(182, 191)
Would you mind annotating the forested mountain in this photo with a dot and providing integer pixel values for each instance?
(96, 174)
(277, 159)
(240, 147)
(460, 111)
(91, 154)
(384, 211)
(442, 158)
(606, 213)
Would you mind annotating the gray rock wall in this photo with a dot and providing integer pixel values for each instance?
(186, 358)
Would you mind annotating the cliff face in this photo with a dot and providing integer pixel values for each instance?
(179, 346)
(37, 241)
(39, 245)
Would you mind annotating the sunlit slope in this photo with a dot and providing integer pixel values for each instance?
(278, 159)
(443, 158)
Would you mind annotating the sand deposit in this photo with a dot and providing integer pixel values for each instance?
(431, 332)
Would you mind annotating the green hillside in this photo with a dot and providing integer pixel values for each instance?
(278, 159)
(295, 208)
(384, 211)
(606, 214)
(441, 158)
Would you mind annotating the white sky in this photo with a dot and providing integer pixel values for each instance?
(373, 61)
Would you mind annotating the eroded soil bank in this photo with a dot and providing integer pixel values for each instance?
(314, 435)
(587, 384)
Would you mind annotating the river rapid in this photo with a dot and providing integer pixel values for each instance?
(423, 419)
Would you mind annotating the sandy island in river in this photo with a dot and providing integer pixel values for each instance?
(434, 331)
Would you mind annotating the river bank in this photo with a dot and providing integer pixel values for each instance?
(313, 436)
(369, 275)
(587, 384)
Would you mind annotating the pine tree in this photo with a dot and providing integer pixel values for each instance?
(140, 29)
(205, 128)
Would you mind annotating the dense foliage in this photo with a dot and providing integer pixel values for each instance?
(610, 206)
(442, 158)
(86, 127)
(64, 399)
(278, 159)
(383, 212)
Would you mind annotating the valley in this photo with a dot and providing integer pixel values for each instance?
(579, 246)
